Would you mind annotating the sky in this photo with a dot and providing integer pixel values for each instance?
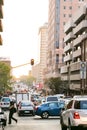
(21, 23)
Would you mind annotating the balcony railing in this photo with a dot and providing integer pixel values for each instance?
(76, 53)
(75, 66)
(80, 27)
(79, 39)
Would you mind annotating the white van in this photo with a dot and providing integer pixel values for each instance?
(51, 98)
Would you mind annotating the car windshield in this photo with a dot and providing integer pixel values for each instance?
(81, 104)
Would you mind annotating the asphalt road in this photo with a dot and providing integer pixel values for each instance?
(34, 123)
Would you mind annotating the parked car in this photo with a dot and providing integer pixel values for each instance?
(5, 103)
(47, 109)
(75, 114)
(25, 107)
(3, 117)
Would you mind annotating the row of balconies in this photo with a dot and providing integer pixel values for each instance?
(81, 13)
(80, 27)
(71, 77)
(75, 86)
(76, 42)
(76, 30)
(74, 54)
(73, 67)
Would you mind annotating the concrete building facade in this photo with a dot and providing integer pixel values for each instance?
(74, 72)
(38, 70)
(1, 17)
(60, 11)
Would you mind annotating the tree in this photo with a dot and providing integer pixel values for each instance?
(28, 80)
(54, 84)
(5, 77)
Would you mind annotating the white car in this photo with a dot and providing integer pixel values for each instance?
(5, 102)
(75, 114)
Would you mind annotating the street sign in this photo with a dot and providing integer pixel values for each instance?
(83, 70)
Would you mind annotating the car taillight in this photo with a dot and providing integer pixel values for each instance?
(35, 108)
(0, 103)
(76, 115)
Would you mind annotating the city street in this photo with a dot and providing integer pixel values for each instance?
(34, 123)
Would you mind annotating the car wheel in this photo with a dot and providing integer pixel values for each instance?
(71, 127)
(63, 127)
(33, 114)
(45, 115)
(5, 123)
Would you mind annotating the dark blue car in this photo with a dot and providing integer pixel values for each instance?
(49, 109)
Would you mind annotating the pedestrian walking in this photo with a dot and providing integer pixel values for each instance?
(11, 112)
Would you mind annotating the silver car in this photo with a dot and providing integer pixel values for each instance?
(75, 114)
(25, 107)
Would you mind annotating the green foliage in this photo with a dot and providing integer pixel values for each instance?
(28, 80)
(54, 84)
(5, 77)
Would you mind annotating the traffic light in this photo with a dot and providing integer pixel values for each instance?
(32, 61)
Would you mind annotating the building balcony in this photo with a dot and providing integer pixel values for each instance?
(75, 77)
(79, 14)
(1, 12)
(69, 37)
(75, 86)
(76, 53)
(1, 2)
(80, 27)
(69, 26)
(68, 57)
(64, 77)
(79, 39)
(68, 47)
(75, 66)
(64, 69)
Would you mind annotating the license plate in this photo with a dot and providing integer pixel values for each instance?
(27, 111)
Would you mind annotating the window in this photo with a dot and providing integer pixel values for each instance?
(70, 7)
(70, 15)
(52, 105)
(64, 15)
(70, 104)
(57, 58)
(64, 23)
(80, 104)
(64, 7)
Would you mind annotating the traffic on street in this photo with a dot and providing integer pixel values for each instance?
(34, 123)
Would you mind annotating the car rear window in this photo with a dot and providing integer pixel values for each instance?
(52, 99)
(25, 104)
(80, 104)
(5, 99)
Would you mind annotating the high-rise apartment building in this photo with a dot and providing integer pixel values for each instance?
(60, 11)
(1, 17)
(38, 70)
(74, 72)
